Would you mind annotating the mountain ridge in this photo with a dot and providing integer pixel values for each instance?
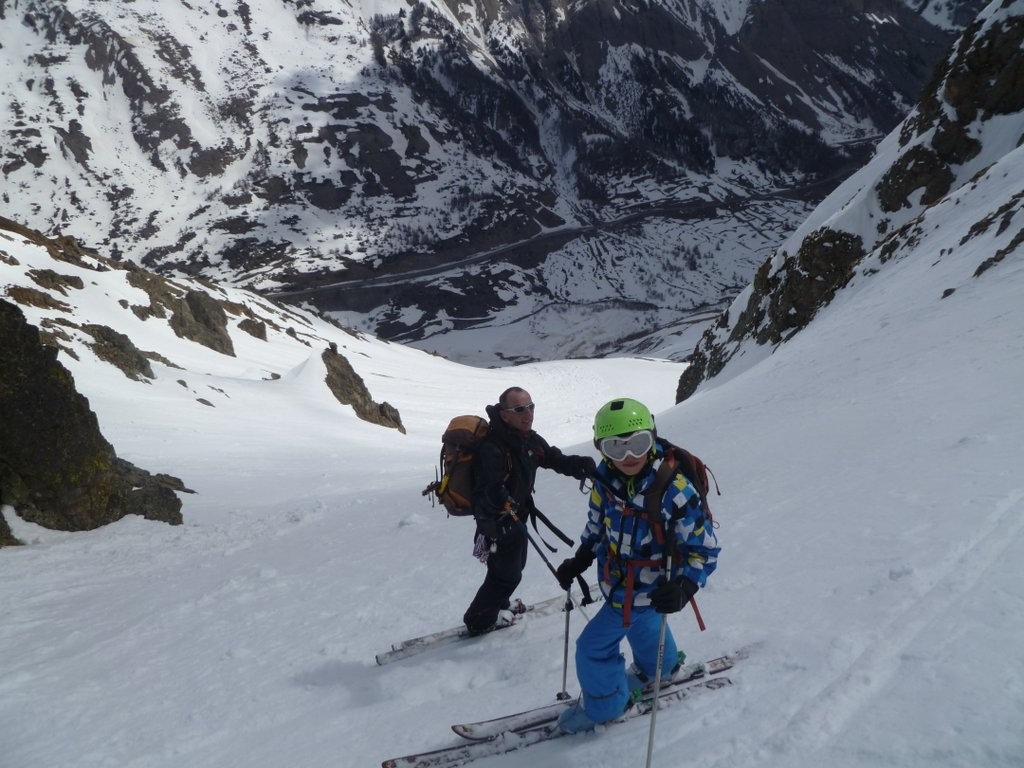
(276, 146)
(969, 124)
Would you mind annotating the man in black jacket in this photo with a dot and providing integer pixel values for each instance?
(504, 471)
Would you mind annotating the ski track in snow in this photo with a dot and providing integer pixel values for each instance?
(819, 717)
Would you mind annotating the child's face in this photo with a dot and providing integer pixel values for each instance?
(631, 465)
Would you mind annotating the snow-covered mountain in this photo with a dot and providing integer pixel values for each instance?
(953, 166)
(871, 516)
(649, 154)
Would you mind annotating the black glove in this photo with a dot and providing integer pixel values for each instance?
(574, 566)
(671, 596)
(583, 467)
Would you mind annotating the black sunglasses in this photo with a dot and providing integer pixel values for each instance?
(521, 408)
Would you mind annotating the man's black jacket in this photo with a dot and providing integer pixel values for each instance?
(505, 469)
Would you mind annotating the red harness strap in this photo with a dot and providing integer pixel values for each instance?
(631, 567)
(652, 514)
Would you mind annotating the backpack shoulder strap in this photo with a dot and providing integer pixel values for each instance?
(668, 469)
(694, 470)
(673, 463)
(495, 447)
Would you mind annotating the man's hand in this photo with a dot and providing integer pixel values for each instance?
(583, 467)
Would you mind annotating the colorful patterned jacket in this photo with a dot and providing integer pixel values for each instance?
(630, 558)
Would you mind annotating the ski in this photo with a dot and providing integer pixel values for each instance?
(488, 729)
(417, 645)
(510, 741)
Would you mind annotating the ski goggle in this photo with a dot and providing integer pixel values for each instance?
(619, 447)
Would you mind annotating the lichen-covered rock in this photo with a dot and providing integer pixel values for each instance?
(56, 468)
(118, 350)
(823, 264)
(919, 168)
(7, 538)
(784, 299)
(349, 388)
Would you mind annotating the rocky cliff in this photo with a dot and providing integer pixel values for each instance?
(56, 468)
(969, 118)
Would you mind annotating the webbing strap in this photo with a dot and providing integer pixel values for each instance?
(652, 512)
(536, 514)
(631, 567)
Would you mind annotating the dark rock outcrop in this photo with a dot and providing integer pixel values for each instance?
(7, 538)
(118, 350)
(983, 77)
(782, 302)
(349, 388)
(56, 468)
(199, 317)
(194, 315)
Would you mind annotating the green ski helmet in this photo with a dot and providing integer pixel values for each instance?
(622, 416)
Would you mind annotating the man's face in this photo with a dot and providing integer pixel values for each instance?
(520, 420)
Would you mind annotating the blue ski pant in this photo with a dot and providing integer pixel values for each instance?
(600, 665)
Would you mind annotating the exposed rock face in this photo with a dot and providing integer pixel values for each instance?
(984, 77)
(199, 317)
(939, 147)
(196, 310)
(118, 350)
(783, 301)
(62, 248)
(794, 294)
(56, 469)
(6, 536)
(350, 389)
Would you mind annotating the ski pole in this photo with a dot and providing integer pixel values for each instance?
(534, 543)
(658, 668)
(563, 695)
(696, 613)
(584, 588)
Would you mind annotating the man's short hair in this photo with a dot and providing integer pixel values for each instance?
(503, 397)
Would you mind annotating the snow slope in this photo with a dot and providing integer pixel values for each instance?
(872, 524)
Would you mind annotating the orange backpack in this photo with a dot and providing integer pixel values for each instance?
(454, 489)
